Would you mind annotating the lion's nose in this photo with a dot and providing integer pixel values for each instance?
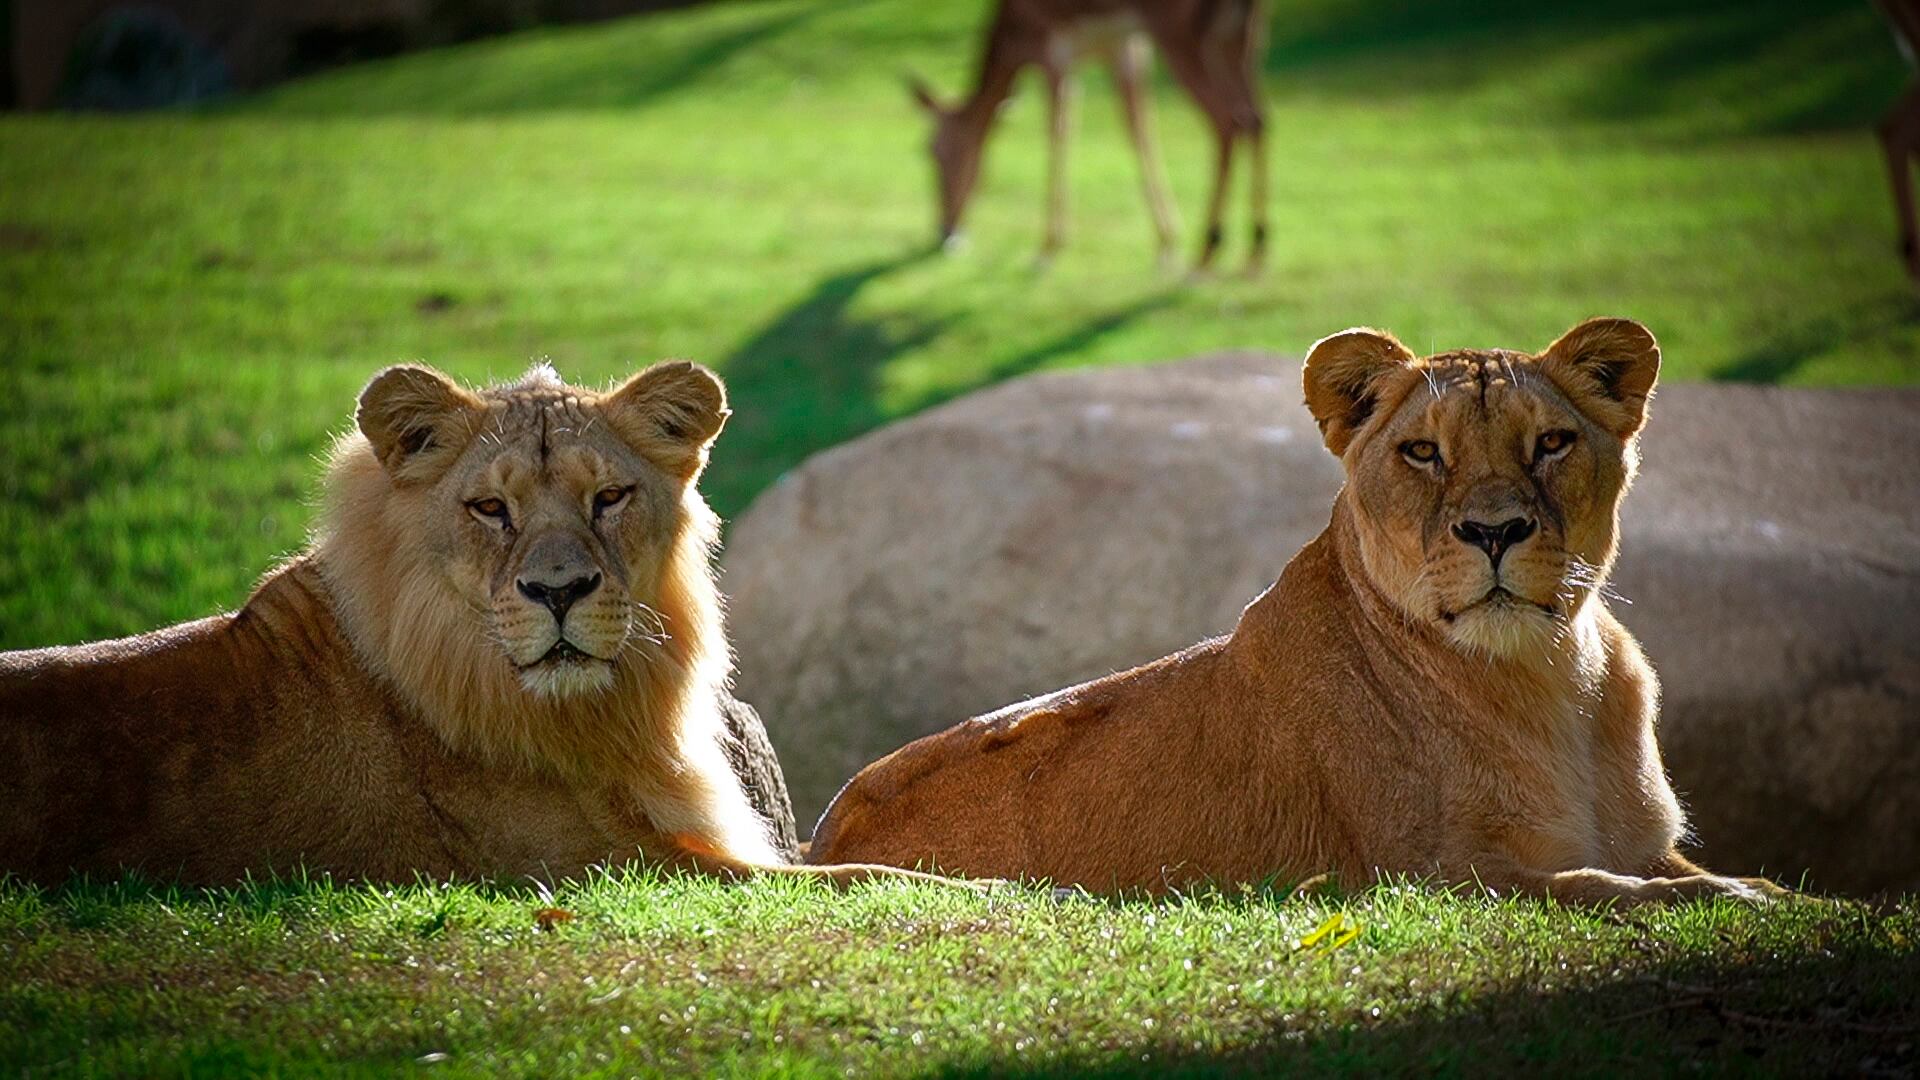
(558, 598)
(1495, 540)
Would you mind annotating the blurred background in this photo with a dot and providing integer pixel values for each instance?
(217, 219)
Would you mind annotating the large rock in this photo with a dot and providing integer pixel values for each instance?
(1772, 554)
(1061, 526)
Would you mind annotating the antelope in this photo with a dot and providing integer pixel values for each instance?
(1213, 48)
(1900, 129)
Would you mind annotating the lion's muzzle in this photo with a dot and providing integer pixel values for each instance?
(1498, 539)
(558, 597)
(557, 572)
(563, 624)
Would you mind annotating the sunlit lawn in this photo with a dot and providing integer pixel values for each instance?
(783, 977)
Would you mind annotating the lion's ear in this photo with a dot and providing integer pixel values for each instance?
(1609, 366)
(417, 421)
(1342, 380)
(670, 413)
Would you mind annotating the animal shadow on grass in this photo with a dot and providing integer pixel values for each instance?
(808, 379)
(1079, 338)
(811, 377)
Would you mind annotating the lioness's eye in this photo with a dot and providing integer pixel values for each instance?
(1421, 452)
(490, 508)
(1552, 444)
(608, 498)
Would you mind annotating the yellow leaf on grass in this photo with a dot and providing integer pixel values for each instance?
(1336, 932)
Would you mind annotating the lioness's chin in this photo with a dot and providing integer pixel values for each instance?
(1507, 630)
(567, 678)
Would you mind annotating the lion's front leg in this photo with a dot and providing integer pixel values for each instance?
(688, 852)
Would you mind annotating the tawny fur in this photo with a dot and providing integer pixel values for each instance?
(391, 702)
(1380, 710)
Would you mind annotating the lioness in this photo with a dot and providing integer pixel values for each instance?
(501, 655)
(1434, 687)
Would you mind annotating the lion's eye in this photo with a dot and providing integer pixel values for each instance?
(609, 497)
(1421, 452)
(490, 508)
(1552, 444)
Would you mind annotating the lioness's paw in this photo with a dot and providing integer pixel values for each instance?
(1766, 888)
(1743, 889)
(1773, 892)
(1753, 890)
(1707, 886)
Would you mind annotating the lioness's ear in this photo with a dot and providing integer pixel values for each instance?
(1342, 380)
(417, 420)
(671, 413)
(1608, 366)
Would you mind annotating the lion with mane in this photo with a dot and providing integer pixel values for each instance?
(1434, 687)
(501, 655)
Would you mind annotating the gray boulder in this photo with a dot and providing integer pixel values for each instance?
(1771, 549)
(1061, 526)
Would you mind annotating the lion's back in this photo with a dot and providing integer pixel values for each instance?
(1092, 785)
(86, 732)
(195, 751)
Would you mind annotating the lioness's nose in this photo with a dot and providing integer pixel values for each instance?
(1495, 540)
(558, 598)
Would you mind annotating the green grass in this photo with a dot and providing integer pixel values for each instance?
(189, 302)
(777, 976)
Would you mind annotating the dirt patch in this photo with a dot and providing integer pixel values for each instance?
(436, 303)
(15, 237)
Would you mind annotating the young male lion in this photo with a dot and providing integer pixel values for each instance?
(1435, 685)
(502, 655)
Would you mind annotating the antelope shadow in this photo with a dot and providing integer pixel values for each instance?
(812, 376)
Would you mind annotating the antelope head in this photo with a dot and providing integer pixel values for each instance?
(956, 150)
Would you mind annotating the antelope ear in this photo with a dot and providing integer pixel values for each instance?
(923, 94)
(1609, 367)
(670, 413)
(417, 420)
(1342, 380)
